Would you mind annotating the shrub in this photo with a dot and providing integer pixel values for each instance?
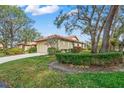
(14, 51)
(86, 51)
(52, 51)
(76, 50)
(32, 50)
(89, 59)
(58, 51)
(2, 53)
(66, 50)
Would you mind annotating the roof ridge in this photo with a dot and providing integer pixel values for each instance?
(60, 37)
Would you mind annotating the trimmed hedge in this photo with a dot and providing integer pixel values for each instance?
(76, 50)
(32, 50)
(89, 59)
(14, 51)
(2, 53)
(52, 51)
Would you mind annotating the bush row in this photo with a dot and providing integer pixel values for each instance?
(32, 50)
(52, 51)
(89, 59)
(14, 51)
(76, 50)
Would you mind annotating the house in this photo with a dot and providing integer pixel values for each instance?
(57, 41)
(26, 46)
(1, 46)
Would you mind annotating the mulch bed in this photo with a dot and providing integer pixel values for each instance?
(69, 68)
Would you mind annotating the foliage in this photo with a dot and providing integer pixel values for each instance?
(32, 50)
(93, 20)
(34, 73)
(2, 53)
(76, 49)
(28, 34)
(114, 42)
(89, 47)
(86, 51)
(1, 50)
(52, 51)
(88, 20)
(12, 20)
(89, 59)
(65, 50)
(14, 51)
(119, 32)
(53, 42)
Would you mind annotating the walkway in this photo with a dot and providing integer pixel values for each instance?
(15, 57)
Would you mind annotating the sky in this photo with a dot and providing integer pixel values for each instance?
(44, 17)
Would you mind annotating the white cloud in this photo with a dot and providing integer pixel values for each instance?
(37, 10)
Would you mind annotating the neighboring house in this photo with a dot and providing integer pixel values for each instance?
(57, 41)
(1, 46)
(26, 46)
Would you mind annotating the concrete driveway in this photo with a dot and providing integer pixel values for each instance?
(15, 57)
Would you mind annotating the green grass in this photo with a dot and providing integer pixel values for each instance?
(34, 72)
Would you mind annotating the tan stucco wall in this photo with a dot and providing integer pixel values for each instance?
(26, 47)
(20, 46)
(78, 44)
(42, 47)
(1, 46)
(68, 45)
(64, 44)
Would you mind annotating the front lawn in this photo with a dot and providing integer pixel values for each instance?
(34, 72)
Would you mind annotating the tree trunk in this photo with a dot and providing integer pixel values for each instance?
(5, 46)
(11, 43)
(93, 50)
(106, 36)
(11, 35)
(94, 44)
(23, 44)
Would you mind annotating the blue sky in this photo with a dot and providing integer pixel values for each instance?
(44, 17)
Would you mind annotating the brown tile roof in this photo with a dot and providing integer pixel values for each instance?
(68, 38)
(28, 44)
(72, 38)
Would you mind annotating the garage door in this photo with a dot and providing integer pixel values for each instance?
(42, 48)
